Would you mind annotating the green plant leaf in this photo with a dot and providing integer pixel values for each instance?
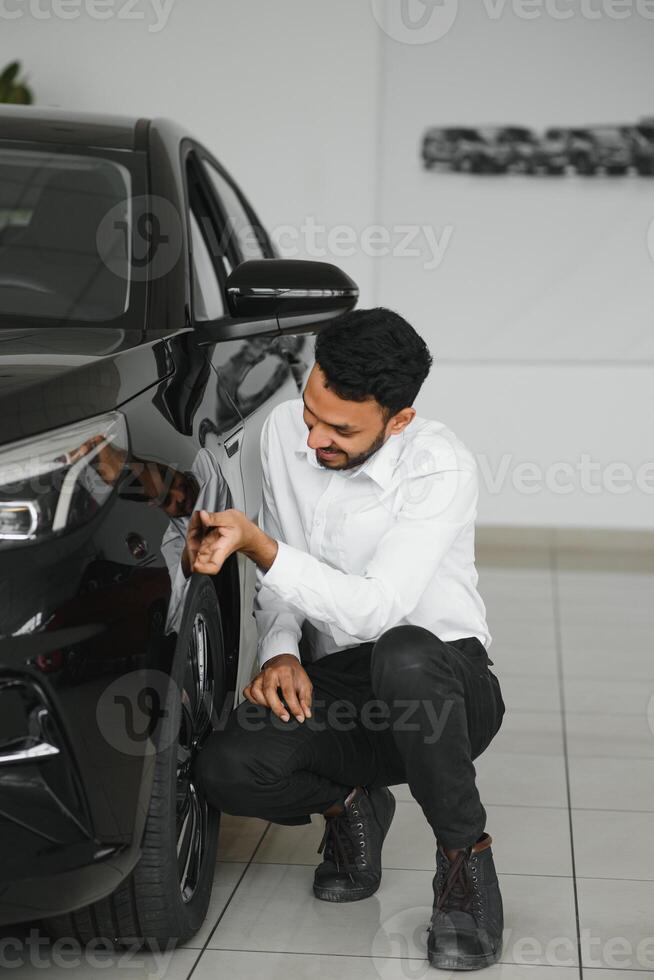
(20, 95)
(10, 72)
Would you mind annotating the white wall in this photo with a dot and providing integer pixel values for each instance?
(569, 447)
(539, 313)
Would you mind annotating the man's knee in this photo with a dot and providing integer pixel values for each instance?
(233, 763)
(223, 769)
(403, 655)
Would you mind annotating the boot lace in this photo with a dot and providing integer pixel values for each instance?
(457, 892)
(343, 841)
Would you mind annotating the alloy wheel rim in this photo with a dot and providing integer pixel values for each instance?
(195, 723)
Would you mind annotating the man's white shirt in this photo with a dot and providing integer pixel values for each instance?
(386, 543)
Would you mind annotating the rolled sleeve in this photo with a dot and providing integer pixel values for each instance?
(276, 642)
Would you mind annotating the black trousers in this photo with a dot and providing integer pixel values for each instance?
(408, 707)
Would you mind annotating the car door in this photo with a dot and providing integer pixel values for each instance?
(254, 373)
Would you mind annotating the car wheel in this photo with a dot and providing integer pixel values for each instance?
(469, 165)
(164, 900)
(584, 167)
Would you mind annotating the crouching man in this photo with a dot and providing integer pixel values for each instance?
(373, 641)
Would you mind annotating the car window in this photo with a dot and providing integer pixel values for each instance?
(208, 297)
(239, 231)
(65, 236)
(252, 371)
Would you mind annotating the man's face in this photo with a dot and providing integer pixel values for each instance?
(344, 433)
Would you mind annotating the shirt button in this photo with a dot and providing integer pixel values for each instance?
(317, 522)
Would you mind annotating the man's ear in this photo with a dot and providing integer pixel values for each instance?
(401, 419)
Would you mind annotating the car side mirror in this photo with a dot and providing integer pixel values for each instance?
(265, 288)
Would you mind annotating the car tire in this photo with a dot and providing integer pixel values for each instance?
(469, 165)
(157, 906)
(584, 167)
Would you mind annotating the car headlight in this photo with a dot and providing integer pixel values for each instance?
(58, 480)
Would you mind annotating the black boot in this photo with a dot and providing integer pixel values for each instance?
(468, 920)
(352, 845)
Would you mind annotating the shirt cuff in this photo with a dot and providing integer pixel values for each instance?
(275, 643)
(284, 569)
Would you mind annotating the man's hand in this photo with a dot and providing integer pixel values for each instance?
(194, 536)
(227, 531)
(285, 672)
(221, 534)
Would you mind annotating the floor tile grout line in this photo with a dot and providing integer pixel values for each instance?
(602, 809)
(558, 639)
(505, 806)
(361, 956)
(615, 758)
(509, 675)
(429, 871)
(202, 950)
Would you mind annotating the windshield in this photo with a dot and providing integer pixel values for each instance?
(466, 134)
(608, 136)
(65, 236)
(518, 134)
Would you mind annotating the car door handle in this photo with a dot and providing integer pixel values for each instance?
(232, 445)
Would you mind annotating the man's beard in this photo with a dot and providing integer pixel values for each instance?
(360, 458)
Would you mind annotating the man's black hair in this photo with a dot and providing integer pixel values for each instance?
(375, 353)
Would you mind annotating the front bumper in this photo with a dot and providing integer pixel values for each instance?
(51, 857)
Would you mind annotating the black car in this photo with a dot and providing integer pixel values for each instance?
(463, 149)
(552, 151)
(594, 148)
(147, 329)
(641, 138)
(516, 146)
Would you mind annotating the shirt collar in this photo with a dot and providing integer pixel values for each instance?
(379, 467)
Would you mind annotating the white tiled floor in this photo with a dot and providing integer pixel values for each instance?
(568, 787)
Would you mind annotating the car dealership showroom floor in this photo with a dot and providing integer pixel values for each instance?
(568, 786)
